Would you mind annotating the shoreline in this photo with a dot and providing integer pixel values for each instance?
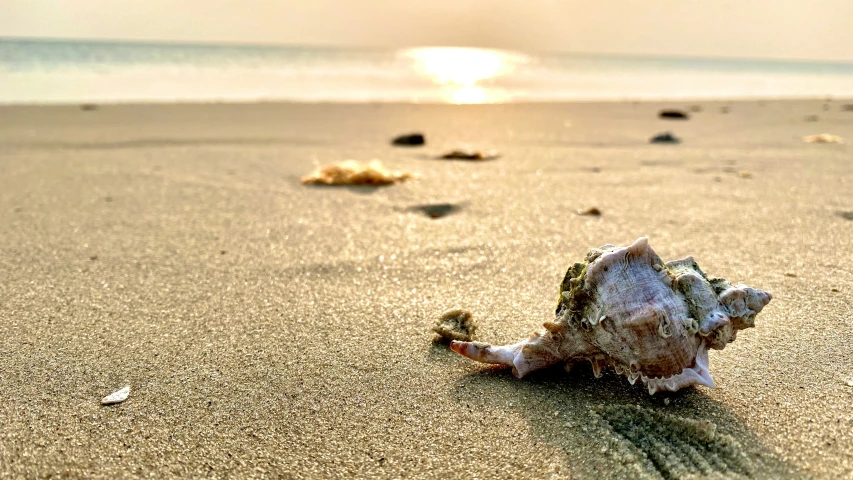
(662, 101)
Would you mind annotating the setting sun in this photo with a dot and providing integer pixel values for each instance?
(461, 69)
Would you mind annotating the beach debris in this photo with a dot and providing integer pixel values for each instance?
(665, 137)
(790, 274)
(823, 138)
(409, 140)
(811, 118)
(437, 210)
(351, 172)
(846, 215)
(116, 397)
(591, 211)
(847, 107)
(744, 174)
(624, 307)
(88, 107)
(849, 382)
(456, 325)
(462, 154)
(834, 290)
(674, 114)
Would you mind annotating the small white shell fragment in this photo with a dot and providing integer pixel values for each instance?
(116, 397)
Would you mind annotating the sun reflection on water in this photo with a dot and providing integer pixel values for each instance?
(462, 72)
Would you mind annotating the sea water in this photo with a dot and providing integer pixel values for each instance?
(59, 71)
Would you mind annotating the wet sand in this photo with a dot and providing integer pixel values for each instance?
(273, 329)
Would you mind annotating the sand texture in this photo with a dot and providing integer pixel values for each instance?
(269, 329)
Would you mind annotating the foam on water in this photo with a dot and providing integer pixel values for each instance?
(73, 71)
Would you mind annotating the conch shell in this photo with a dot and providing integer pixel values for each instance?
(624, 307)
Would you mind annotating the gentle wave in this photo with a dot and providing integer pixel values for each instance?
(36, 71)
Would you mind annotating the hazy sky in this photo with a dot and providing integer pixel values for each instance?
(802, 29)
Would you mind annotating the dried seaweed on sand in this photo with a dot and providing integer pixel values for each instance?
(351, 172)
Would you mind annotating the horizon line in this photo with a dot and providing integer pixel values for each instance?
(221, 44)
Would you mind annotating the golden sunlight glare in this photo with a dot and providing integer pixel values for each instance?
(460, 70)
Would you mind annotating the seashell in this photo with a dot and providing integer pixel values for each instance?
(116, 397)
(624, 307)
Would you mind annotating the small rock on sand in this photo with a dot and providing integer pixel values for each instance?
(351, 172)
(591, 211)
(470, 155)
(665, 137)
(116, 397)
(673, 114)
(823, 138)
(455, 325)
(745, 174)
(409, 140)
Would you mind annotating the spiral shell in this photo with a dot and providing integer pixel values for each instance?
(624, 307)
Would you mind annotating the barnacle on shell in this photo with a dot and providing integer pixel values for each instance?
(624, 307)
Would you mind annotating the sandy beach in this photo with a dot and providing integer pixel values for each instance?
(270, 329)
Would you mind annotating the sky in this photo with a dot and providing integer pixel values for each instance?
(781, 29)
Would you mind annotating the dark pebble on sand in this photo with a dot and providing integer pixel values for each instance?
(674, 114)
(591, 211)
(409, 140)
(88, 107)
(666, 137)
(846, 215)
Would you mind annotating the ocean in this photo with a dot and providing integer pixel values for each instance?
(59, 71)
